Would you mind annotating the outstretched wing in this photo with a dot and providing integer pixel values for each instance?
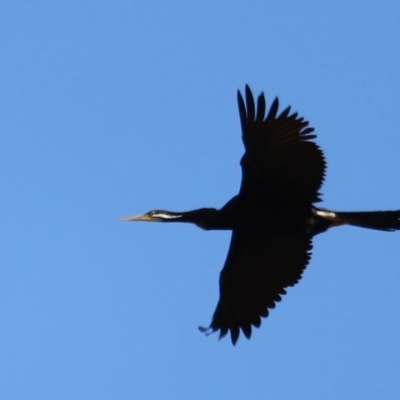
(254, 278)
(280, 160)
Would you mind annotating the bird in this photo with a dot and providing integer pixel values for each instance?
(273, 218)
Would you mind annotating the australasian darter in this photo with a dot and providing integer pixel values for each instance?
(273, 218)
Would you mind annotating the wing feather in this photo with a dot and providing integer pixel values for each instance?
(280, 158)
(250, 104)
(260, 107)
(255, 276)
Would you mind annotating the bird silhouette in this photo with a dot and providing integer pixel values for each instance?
(273, 217)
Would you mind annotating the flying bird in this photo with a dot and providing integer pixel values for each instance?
(273, 217)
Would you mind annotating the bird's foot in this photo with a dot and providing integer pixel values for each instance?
(207, 331)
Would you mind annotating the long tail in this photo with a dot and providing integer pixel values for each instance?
(380, 220)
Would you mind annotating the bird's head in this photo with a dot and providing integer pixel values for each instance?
(155, 216)
(204, 218)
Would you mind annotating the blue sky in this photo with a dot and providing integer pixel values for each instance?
(116, 108)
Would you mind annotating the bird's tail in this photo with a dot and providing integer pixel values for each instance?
(380, 220)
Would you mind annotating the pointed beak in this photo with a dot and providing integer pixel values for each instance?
(144, 217)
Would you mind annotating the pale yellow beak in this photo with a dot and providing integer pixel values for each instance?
(144, 217)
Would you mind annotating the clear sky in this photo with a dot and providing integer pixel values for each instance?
(111, 108)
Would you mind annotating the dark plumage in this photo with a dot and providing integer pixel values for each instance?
(272, 218)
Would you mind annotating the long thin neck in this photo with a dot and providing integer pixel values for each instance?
(205, 218)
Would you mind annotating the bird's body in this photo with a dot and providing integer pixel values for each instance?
(273, 218)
